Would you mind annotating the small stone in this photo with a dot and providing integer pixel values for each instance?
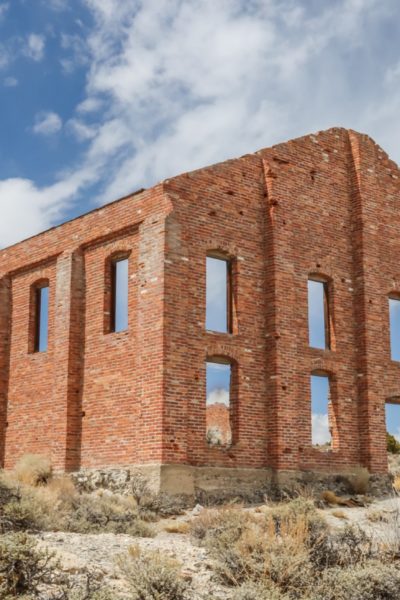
(197, 510)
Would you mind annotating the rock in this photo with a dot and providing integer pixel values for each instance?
(197, 510)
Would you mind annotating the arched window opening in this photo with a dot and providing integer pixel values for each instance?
(219, 293)
(318, 314)
(39, 315)
(392, 418)
(394, 326)
(321, 412)
(116, 309)
(221, 390)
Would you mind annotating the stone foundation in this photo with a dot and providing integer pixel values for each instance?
(218, 484)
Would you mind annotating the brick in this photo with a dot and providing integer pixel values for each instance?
(324, 205)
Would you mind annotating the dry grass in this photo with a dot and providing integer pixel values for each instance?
(339, 514)
(33, 469)
(288, 552)
(377, 516)
(180, 527)
(57, 506)
(152, 576)
(358, 479)
(330, 497)
(396, 482)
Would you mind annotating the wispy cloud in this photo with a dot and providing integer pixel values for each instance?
(173, 86)
(80, 130)
(57, 5)
(320, 429)
(77, 52)
(4, 6)
(10, 82)
(47, 123)
(34, 47)
(218, 396)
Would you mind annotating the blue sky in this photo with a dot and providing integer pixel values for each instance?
(101, 97)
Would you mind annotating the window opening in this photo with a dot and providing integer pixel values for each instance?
(42, 319)
(218, 404)
(318, 314)
(392, 417)
(320, 407)
(394, 319)
(218, 295)
(119, 304)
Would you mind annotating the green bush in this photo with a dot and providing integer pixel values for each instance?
(393, 446)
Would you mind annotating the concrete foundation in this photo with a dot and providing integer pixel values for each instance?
(217, 484)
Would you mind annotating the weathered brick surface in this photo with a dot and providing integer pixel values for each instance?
(323, 205)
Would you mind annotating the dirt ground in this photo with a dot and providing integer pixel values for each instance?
(97, 553)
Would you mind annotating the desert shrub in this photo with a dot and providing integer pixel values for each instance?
(23, 514)
(393, 446)
(372, 580)
(179, 527)
(91, 589)
(348, 546)
(33, 469)
(358, 480)
(152, 506)
(226, 524)
(22, 567)
(57, 506)
(273, 551)
(152, 576)
(93, 513)
(271, 547)
(258, 591)
(98, 594)
(287, 552)
(396, 483)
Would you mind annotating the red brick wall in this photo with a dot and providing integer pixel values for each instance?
(218, 424)
(323, 205)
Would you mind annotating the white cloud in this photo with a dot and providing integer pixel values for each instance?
(34, 47)
(76, 47)
(10, 82)
(90, 105)
(57, 5)
(4, 6)
(4, 57)
(218, 396)
(320, 429)
(80, 130)
(172, 85)
(47, 123)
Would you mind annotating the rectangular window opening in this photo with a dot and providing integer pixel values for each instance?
(42, 319)
(218, 295)
(392, 414)
(218, 404)
(318, 314)
(320, 412)
(394, 314)
(119, 303)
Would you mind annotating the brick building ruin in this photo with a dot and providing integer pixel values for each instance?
(95, 394)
